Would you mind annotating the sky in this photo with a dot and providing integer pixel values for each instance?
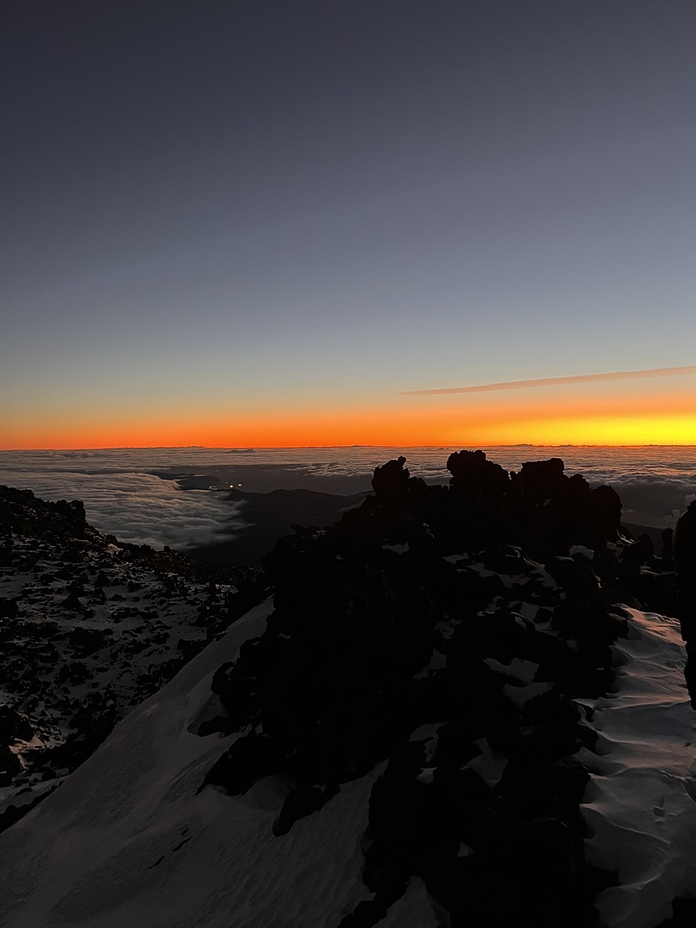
(319, 222)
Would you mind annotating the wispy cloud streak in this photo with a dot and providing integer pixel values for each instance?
(555, 381)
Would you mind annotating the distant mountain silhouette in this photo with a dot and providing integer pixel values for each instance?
(268, 517)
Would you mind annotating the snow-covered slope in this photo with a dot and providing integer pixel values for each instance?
(88, 629)
(641, 806)
(130, 839)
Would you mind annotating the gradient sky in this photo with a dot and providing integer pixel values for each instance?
(265, 222)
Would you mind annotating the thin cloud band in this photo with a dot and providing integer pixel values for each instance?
(553, 381)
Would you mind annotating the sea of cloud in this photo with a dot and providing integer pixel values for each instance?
(124, 496)
(138, 508)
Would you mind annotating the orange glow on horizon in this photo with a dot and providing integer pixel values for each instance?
(448, 424)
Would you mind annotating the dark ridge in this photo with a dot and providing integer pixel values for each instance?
(269, 516)
(392, 642)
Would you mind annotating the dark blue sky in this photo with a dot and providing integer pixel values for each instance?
(302, 203)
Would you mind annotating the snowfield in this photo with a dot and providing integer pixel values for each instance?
(642, 803)
(131, 839)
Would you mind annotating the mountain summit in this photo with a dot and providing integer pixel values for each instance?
(450, 712)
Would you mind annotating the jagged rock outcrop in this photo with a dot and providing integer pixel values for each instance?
(442, 632)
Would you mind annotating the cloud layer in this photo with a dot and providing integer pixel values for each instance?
(140, 508)
(121, 497)
(555, 381)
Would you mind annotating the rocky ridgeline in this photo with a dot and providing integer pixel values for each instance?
(88, 629)
(447, 635)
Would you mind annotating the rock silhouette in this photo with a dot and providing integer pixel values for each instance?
(441, 633)
(685, 564)
(435, 638)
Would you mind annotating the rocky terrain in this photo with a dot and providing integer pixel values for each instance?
(436, 666)
(449, 632)
(88, 629)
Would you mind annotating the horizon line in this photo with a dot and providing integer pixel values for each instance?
(394, 447)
